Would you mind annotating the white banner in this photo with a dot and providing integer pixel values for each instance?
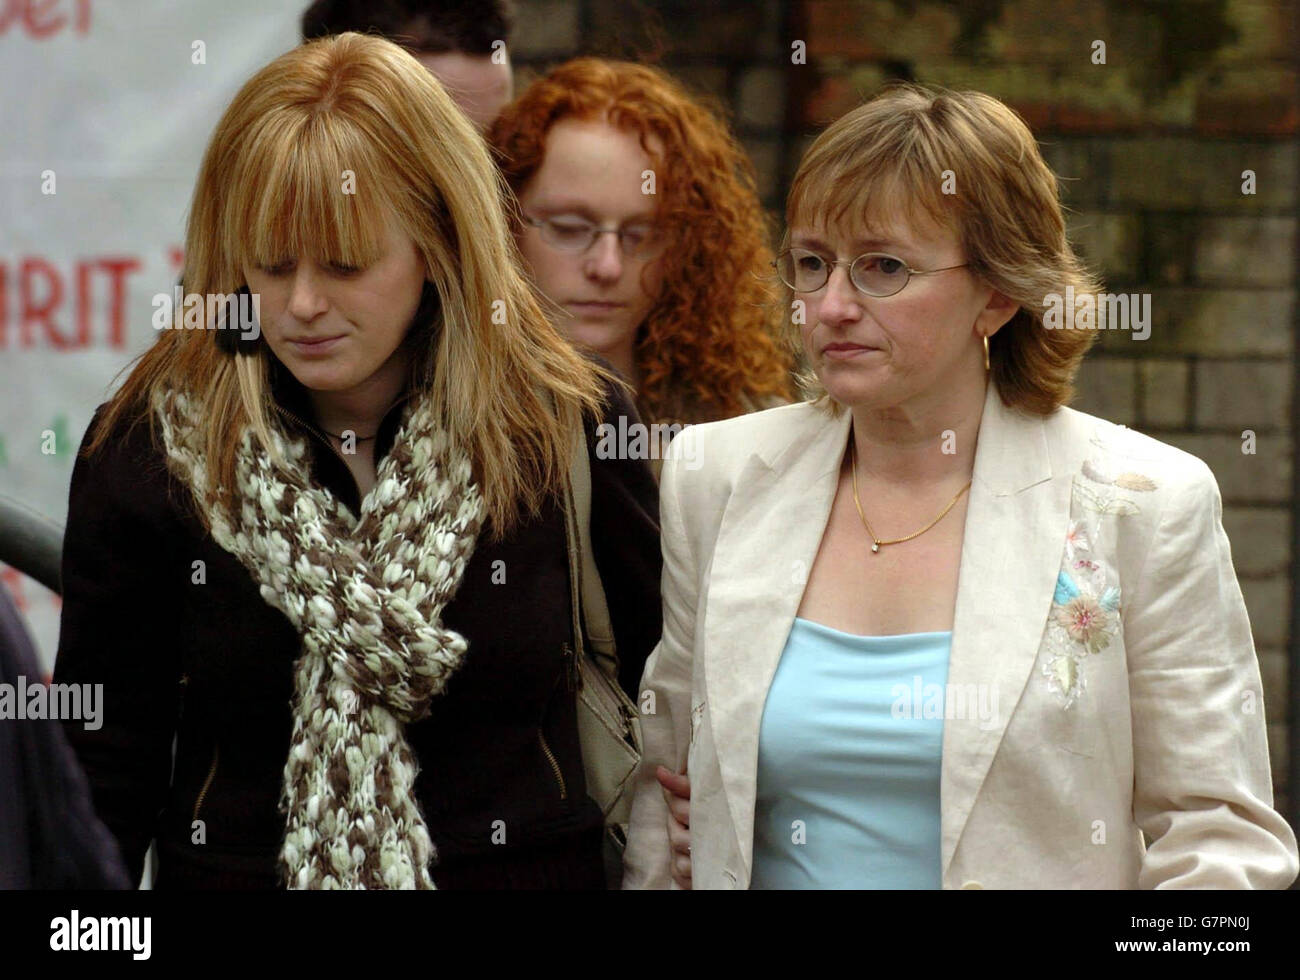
(107, 108)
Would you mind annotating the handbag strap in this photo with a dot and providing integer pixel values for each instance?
(588, 592)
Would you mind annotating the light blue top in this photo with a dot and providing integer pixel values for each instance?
(848, 761)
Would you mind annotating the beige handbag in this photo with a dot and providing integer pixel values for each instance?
(609, 728)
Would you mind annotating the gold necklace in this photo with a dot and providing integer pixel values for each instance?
(875, 541)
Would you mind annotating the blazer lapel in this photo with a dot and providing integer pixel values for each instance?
(766, 545)
(767, 541)
(1011, 555)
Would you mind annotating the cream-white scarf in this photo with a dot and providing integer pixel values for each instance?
(366, 595)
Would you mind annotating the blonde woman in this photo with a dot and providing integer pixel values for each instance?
(332, 561)
(931, 628)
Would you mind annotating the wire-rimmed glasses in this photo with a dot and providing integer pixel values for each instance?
(874, 273)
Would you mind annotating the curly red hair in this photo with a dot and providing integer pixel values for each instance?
(707, 348)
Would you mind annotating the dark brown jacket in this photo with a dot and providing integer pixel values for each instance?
(212, 664)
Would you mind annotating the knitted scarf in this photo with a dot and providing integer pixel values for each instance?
(366, 595)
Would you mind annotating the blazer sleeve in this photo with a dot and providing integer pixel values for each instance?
(1202, 786)
(117, 629)
(665, 731)
(625, 545)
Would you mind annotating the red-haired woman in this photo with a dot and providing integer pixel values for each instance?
(676, 296)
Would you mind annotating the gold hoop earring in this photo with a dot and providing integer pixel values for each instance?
(986, 352)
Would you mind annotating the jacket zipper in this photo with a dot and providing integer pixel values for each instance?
(313, 430)
(207, 783)
(572, 675)
(571, 679)
(555, 766)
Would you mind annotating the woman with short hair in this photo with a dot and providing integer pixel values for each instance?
(931, 628)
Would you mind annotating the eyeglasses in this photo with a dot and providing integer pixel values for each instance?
(875, 273)
(637, 240)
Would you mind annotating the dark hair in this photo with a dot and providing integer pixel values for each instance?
(424, 26)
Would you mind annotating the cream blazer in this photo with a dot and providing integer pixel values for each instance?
(1096, 602)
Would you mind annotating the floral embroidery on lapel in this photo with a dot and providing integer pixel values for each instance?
(1086, 618)
(1135, 481)
(1101, 493)
(1085, 614)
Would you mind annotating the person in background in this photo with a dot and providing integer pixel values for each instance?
(639, 218)
(50, 836)
(465, 43)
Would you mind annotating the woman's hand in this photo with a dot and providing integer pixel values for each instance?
(677, 794)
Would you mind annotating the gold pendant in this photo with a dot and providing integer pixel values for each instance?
(875, 546)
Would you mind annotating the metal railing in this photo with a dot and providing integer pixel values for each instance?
(31, 543)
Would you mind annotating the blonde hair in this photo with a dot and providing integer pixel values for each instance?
(886, 160)
(270, 186)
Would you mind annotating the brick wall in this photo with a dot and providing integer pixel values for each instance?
(1152, 144)
(735, 53)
